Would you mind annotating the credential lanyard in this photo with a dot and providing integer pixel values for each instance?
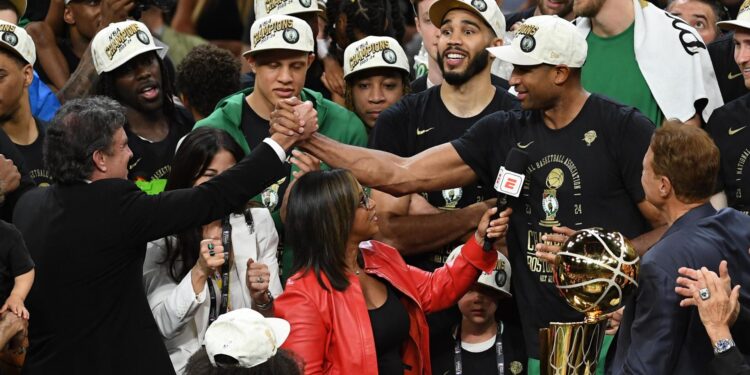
(458, 365)
(226, 242)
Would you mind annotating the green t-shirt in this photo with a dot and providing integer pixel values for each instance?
(611, 70)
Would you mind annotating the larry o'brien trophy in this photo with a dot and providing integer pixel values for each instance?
(596, 271)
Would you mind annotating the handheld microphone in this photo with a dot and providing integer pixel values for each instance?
(509, 182)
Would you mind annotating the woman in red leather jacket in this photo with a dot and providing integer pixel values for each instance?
(354, 305)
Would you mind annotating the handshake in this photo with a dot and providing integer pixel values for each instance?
(293, 121)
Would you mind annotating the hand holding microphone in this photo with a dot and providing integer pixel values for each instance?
(508, 184)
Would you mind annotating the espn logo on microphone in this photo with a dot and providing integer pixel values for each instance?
(508, 182)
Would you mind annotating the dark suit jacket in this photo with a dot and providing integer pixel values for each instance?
(657, 336)
(730, 362)
(89, 313)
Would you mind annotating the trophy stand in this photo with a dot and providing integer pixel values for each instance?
(571, 348)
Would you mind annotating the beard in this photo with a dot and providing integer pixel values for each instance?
(476, 65)
(590, 9)
(564, 11)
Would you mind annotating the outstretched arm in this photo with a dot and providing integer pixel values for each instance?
(439, 167)
(414, 233)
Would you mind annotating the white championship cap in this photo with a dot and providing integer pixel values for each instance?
(545, 40)
(742, 21)
(374, 52)
(246, 336)
(498, 280)
(280, 32)
(289, 7)
(120, 42)
(16, 40)
(487, 9)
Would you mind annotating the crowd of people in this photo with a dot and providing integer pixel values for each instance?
(318, 187)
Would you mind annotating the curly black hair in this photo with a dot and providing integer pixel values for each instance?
(206, 75)
(371, 17)
(80, 127)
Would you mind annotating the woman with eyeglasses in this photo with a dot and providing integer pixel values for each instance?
(354, 305)
(193, 277)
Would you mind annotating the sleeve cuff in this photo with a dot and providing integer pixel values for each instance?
(483, 260)
(276, 147)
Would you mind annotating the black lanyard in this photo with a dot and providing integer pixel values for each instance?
(226, 241)
(498, 352)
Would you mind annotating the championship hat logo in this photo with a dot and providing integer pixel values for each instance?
(290, 35)
(10, 38)
(305, 3)
(528, 43)
(142, 37)
(119, 39)
(389, 56)
(479, 4)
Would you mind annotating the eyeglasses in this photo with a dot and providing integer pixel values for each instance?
(364, 199)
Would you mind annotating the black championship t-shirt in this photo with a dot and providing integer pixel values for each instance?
(32, 156)
(255, 129)
(151, 162)
(14, 258)
(587, 174)
(729, 128)
(420, 121)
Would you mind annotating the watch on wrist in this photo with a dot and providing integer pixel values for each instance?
(723, 345)
(267, 305)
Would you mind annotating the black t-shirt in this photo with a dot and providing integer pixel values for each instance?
(14, 258)
(728, 75)
(33, 157)
(420, 121)
(420, 84)
(512, 18)
(152, 161)
(728, 127)
(587, 174)
(10, 151)
(255, 129)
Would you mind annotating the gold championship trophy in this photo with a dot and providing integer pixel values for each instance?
(596, 272)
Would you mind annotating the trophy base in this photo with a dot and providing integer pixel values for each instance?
(571, 348)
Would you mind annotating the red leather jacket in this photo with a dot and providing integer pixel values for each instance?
(331, 330)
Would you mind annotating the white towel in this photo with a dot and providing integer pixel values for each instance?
(674, 62)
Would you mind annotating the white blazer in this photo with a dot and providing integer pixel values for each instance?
(182, 316)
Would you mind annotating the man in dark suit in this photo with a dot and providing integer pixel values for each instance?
(87, 234)
(656, 335)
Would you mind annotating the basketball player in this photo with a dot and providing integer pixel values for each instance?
(585, 155)
(728, 124)
(437, 115)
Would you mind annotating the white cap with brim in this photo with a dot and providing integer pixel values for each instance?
(246, 336)
(119, 43)
(289, 7)
(374, 52)
(488, 10)
(498, 280)
(16, 40)
(280, 32)
(545, 40)
(742, 21)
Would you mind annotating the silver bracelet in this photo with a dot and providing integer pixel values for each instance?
(267, 305)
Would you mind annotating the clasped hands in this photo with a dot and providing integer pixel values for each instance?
(294, 118)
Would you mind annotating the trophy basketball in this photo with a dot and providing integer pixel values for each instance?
(596, 272)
